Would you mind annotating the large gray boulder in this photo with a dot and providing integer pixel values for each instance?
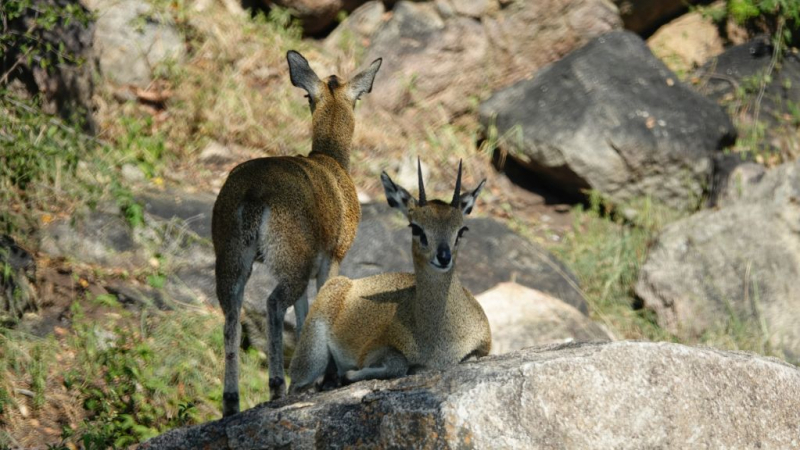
(100, 237)
(625, 395)
(521, 317)
(131, 39)
(737, 264)
(612, 117)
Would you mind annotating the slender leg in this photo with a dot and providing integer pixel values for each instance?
(285, 294)
(300, 313)
(233, 338)
(381, 365)
(232, 272)
(311, 357)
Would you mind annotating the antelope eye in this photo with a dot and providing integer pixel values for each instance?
(416, 230)
(461, 233)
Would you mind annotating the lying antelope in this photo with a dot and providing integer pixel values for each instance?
(388, 325)
(297, 214)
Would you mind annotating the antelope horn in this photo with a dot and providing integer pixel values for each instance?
(422, 200)
(456, 203)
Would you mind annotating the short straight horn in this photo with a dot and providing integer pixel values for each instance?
(456, 203)
(422, 200)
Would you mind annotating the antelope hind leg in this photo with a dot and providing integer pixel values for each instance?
(285, 294)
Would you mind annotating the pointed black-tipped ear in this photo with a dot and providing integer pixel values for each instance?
(467, 201)
(362, 83)
(397, 196)
(301, 73)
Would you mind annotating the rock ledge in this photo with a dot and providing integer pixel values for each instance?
(609, 395)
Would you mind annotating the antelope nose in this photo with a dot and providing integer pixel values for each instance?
(443, 255)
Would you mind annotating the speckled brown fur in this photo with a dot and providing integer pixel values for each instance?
(298, 215)
(389, 324)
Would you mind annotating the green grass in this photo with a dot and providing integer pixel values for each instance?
(134, 374)
(605, 252)
(236, 89)
(50, 167)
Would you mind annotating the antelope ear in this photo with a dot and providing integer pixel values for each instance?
(397, 196)
(468, 200)
(362, 83)
(301, 73)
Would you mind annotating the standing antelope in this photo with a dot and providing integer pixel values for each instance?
(387, 325)
(297, 214)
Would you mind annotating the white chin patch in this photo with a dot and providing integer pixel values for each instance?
(439, 268)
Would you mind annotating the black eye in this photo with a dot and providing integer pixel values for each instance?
(416, 230)
(461, 233)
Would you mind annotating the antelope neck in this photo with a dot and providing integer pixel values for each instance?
(333, 139)
(434, 292)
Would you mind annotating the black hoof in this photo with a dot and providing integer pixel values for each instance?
(277, 388)
(230, 403)
(330, 382)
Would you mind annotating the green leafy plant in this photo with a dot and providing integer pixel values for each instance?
(142, 145)
(30, 46)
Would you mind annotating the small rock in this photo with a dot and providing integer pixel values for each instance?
(740, 183)
(522, 317)
(471, 8)
(645, 16)
(357, 29)
(407, 173)
(130, 40)
(686, 42)
(216, 153)
(132, 173)
(105, 339)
